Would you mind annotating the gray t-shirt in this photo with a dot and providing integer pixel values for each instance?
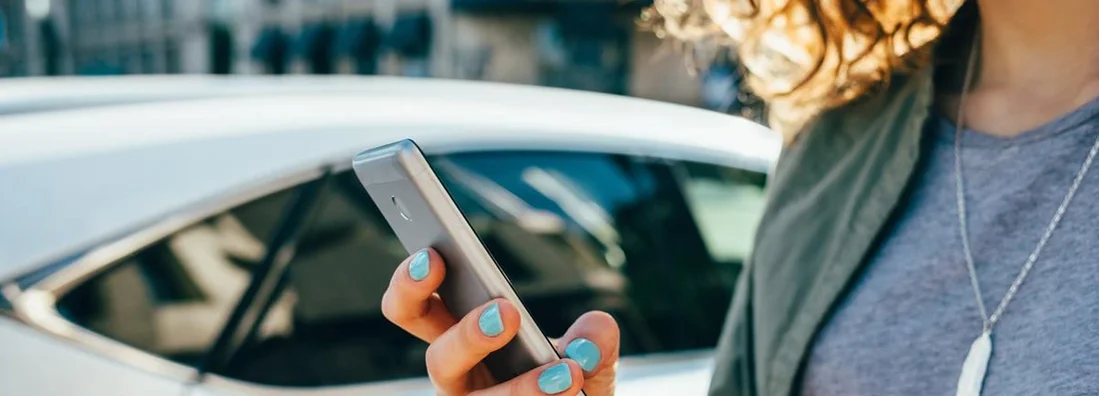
(908, 321)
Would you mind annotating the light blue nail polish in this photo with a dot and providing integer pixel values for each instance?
(420, 266)
(490, 322)
(555, 379)
(584, 352)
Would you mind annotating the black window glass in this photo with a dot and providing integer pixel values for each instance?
(171, 298)
(656, 243)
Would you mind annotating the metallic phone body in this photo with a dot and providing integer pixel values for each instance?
(422, 214)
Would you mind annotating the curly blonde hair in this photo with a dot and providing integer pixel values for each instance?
(806, 56)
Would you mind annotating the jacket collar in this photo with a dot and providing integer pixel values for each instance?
(872, 149)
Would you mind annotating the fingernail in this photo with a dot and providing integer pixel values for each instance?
(584, 352)
(420, 266)
(555, 379)
(490, 322)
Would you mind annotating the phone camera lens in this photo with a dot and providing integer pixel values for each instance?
(401, 208)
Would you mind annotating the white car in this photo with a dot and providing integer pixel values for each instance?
(203, 236)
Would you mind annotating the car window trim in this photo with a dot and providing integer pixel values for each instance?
(36, 306)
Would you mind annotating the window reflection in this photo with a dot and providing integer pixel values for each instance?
(647, 241)
(658, 244)
(727, 209)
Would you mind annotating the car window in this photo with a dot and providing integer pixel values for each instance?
(726, 204)
(172, 298)
(656, 243)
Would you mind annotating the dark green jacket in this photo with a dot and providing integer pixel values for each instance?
(830, 197)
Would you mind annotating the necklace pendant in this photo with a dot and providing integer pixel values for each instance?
(975, 367)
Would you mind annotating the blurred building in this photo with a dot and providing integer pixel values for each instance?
(95, 37)
(592, 44)
(11, 35)
(25, 38)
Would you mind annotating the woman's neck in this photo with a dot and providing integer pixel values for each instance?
(1039, 60)
(1051, 43)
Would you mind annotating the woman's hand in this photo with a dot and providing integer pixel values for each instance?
(458, 346)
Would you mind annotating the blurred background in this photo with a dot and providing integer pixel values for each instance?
(644, 210)
(594, 45)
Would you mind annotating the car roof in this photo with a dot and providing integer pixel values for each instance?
(84, 159)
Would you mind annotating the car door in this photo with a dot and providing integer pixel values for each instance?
(277, 290)
(146, 309)
(657, 243)
(37, 364)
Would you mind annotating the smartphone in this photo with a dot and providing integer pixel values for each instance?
(423, 215)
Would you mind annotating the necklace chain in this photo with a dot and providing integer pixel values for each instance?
(959, 184)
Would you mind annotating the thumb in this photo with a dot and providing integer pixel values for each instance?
(593, 342)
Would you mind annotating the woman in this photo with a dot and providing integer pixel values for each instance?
(929, 221)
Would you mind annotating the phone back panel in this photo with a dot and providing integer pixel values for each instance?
(422, 214)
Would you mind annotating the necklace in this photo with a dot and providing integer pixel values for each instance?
(971, 379)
